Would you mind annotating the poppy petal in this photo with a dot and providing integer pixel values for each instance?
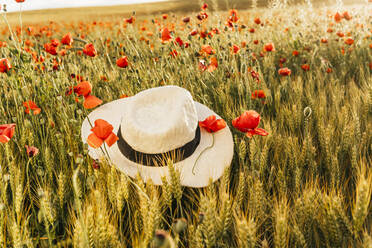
(211, 125)
(256, 131)
(111, 139)
(250, 133)
(91, 102)
(102, 129)
(6, 132)
(37, 111)
(260, 131)
(94, 141)
(218, 125)
(83, 89)
(4, 139)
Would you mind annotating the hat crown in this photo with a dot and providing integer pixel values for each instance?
(160, 120)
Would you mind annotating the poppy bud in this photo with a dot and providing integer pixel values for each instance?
(201, 217)
(186, 19)
(31, 151)
(162, 239)
(179, 225)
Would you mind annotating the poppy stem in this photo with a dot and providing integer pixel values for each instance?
(207, 148)
(80, 40)
(28, 179)
(76, 49)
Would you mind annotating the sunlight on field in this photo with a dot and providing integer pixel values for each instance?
(292, 83)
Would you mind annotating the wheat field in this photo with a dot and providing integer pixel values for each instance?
(305, 69)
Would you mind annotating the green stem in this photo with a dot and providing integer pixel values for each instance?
(207, 148)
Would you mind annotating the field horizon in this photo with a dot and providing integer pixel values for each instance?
(121, 11)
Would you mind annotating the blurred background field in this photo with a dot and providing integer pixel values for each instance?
(120, 11)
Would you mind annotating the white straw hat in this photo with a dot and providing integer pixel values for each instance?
(158, 123)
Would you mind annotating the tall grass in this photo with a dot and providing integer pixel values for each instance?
(307, 184)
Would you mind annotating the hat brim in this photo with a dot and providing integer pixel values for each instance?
(210, 164)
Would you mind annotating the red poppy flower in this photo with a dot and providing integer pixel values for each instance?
(130, 20)
(257, 20)
(258, 94)
(210, 67)
(329, 70)
(346, 15)
(49, 48)
(28, 43)
(269, 47)
(202, 16)
(165, 35)
(212, 125)
(338, 17)
(165, 16)
(252, 30)
(6, 132)
(305, 67)
(54, 42)
(194, 32)
(186, 19)
(67, 39)
(295, 53)
(19, 1)
(235, 49)
(284, 71)
(102, 132)
(208, 50)
(122, 62)
(30, 105)
(179, 41)
(213, 64)
(91, 101)
(349, 41)
(205, 34)
(204, 7)
(5, 65)
(256, 42)
(248, 123)
(31, 151)
(83, 89)
(233, 15)
(324, 40)
(90, 50)
(255, 75)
